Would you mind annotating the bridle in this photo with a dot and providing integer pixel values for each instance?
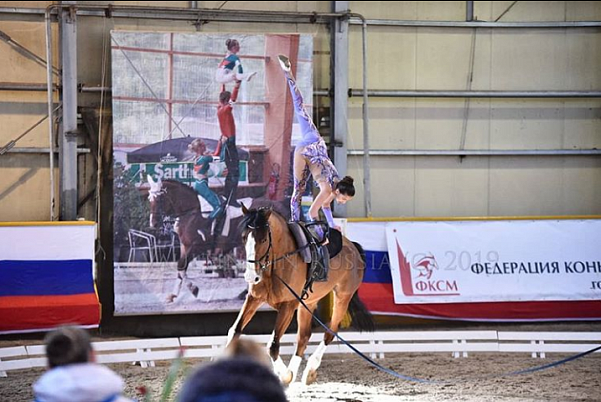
(264, 262)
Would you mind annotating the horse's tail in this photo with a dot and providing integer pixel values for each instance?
(361, 317)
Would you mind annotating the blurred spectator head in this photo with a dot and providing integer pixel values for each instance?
(247, 348)
(235, 379)
(68, 345)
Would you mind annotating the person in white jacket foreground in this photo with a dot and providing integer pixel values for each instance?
(73, 375)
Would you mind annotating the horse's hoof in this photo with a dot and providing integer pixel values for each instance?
(286, 378)
(170, 298)
(310, 377)
(193, 289)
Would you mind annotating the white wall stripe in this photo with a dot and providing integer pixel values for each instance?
(28, 243)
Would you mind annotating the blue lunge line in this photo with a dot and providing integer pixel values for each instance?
(424, 381)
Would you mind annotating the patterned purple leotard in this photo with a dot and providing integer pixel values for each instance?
(310, 156)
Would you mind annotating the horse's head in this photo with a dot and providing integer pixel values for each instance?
(156, 197)
(256, 235)
(426, 266)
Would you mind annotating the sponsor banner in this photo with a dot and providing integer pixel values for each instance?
(377, 291)
(184, 172)
(452, 262)
(46, 277)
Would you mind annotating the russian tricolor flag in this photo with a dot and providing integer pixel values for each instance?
(46, 276)
(376, 290)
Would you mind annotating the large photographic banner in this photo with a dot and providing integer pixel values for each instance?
(511, 270)
(451, 262)
(202, 124)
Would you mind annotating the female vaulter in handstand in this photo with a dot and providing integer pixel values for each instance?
(230, 68)
(311, 157)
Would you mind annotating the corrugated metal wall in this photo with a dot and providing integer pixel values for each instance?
(399, 58)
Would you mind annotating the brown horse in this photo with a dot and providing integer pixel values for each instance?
(270, 252)
(178, 200)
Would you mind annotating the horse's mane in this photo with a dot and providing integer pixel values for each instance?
(183, 186)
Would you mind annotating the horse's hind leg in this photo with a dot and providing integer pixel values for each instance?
(340, 306)
(303, 319)
(285, 314)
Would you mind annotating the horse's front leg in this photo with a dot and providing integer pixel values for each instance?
(182, 276)
(303, 319)
(285, 314)
(177, 287)
(248, 310)
(182, 265)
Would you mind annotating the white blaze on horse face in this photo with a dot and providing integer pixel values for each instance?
(250, 275)
(153, 193)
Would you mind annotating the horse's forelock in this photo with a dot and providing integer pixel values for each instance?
(255, 219)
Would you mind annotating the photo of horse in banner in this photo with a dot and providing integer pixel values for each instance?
(198, 235)
(273, 264)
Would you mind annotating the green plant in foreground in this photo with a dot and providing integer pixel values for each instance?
(174, 370)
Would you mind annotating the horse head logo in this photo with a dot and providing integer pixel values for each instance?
(426, 266)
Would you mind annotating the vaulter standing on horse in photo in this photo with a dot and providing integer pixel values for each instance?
(226, 148)
(311, 157)
(202, 161)
(230, 69)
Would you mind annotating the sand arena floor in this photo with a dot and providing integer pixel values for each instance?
(349, 378)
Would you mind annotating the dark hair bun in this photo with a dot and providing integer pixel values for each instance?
(346, 187)
(348, 180)
(227, 42)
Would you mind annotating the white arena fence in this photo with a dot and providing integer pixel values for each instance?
(376, 345)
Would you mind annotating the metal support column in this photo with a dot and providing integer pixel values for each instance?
(68, 137)
(469, 11)
(366, 163)
(50, 96)
(339, 82)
